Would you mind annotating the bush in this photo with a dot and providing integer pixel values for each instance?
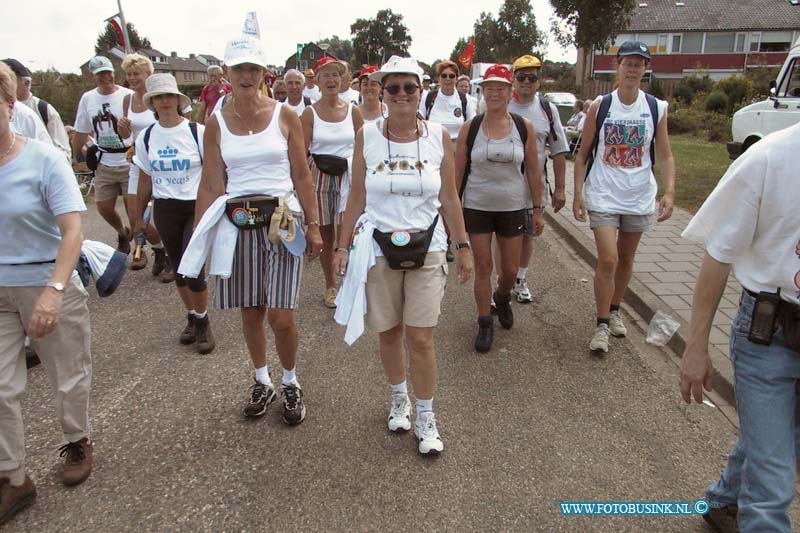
(700, 84)
(656, 89)
(738, 89)
(684, 121)
(717, 102)
(718, 127)
(683, 93)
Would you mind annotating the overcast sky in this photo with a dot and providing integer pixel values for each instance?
(62, 33)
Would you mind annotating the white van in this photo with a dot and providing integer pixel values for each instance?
(780, 110)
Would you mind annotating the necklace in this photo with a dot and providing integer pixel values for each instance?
(246, 123)
(415, 131)
(13, 142)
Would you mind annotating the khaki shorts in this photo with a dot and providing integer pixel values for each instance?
(626, 223)
(409, 296)
(110, 182)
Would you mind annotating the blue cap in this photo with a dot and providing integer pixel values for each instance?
(296, 246)
(634, 48)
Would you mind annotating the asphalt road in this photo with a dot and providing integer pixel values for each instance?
(536, 421)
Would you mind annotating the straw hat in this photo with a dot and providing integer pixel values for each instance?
(163, 84)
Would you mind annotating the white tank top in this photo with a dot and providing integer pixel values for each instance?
(333, 138)
(621, 180)
(139, 121)
(258, 163)
(404, 198)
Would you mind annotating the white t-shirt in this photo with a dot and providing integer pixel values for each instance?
(299, 108)
(173, 162)
(98, 115)
(621, 180)
(55, 127)
(313, 93)
(351, 96)
(26, 122)
(447, 111)
(751, 219)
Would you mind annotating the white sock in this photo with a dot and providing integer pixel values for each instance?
(401, 389)
(15, 477)
(424, 406)
(522, 272)
(289, 377)
(199, 315)
(158, 246)
(262, 376)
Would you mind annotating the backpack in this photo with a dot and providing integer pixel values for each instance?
(602, 113)
(41, 105)
(431, 98)
(474, 126)
(545, 103)
(192, 128)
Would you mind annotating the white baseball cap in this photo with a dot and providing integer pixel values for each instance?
(398, 65)
(245, 49)
(100, 64)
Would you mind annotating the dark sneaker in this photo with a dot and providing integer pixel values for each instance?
(294, 410)
(722, 519)
(485, 337)
(504, 313)
(31, 358)
(15, 499)
(159, 261)
(189, 333)
(260, 397)
(205, 339)
(124, 242)
(77, 461)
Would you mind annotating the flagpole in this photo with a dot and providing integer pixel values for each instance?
(127, 43)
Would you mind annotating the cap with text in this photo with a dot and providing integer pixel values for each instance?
(243, 50)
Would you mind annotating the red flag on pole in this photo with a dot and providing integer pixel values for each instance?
(466, 56)
(116, 23)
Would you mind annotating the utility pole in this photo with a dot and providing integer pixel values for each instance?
(124, 28)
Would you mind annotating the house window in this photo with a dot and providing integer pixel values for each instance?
(311, 55)
(650, 39)
(790, 85)
(303, 65)
(188, 76)
(775, 41)
(621, 38)
(740, 40)
(720, 43)
(662, 43)
(755, 41)
(692, 43)
(676, 44)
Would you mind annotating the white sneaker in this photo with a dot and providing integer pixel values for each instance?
(430, 443)
(522, 291)
(599, 342)
(400, 413)
(615, 325)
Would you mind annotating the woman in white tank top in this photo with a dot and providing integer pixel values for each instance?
(329, 127)
(403, 181)
(372, 108)
(254, 147)
(619, 194)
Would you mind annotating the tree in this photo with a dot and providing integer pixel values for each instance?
(487, 39)
(590, 24)
(108, 39)
(340, 48)
(375, 40)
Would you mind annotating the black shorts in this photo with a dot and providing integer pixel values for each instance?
(503, 223)
(173, 220)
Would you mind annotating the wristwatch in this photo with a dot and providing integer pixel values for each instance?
(460, 245)
(56, 285)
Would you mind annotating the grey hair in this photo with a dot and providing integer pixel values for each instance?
(294, 72)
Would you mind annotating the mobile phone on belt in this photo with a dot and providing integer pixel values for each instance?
(762, 322)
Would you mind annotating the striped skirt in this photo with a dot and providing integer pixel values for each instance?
(328, 190)
(263, 274)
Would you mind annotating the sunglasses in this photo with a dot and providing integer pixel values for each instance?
(408, 88)
(447, 75)
(530, 77)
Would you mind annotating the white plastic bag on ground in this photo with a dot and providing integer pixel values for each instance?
(662, 328)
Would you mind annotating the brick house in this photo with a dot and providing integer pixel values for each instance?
(187, 70)
(310, 55)
(720, 37)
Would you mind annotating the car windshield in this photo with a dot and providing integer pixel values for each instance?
(562, 98)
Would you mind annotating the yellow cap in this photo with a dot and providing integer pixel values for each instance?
(526, 61)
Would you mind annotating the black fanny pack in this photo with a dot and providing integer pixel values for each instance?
(332, 165)
(789, 319)
(251, 212)
(93, 155)
(405, 250)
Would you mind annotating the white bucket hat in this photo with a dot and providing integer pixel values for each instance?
(245, 50)
(163, 84)
(398, 65)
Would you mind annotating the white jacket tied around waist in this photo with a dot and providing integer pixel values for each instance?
(216, 236)
(351, 302)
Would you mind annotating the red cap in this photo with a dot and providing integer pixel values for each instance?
(366, 70)
(497, 73)
(328, 60)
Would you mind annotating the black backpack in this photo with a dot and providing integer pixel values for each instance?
(431, 98)
(602, 113)
(192, 128)
(41, 105)
(472, 133)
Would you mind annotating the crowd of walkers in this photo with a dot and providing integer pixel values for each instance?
(383, 175)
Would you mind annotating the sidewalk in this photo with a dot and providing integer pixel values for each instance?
(665, 270)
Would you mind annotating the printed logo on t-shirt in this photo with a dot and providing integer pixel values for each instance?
(624, 143)
(104, 124)
(457, 112)
(168, 160)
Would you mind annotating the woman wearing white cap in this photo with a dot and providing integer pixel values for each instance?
(403, 181)
(254, 154)
(621, 132)
(329, 127)
(497, 167)
(169, 156)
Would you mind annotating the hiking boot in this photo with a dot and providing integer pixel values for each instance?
(189, 333)
(77, 461)
(124, 242)
(15, 499)
(615, 325)
(430, 443)
(399, 413)
(330, 297)
(485, 336)
(722, 519)
(159, 261)
(522, 291)
(599, 342)
(504, 313)
(139, 260)
(294, 410)
(31, 358)
(260, 397)
(205, 339)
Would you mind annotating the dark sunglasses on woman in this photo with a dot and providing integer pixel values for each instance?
(447, 75)
(408, 88)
